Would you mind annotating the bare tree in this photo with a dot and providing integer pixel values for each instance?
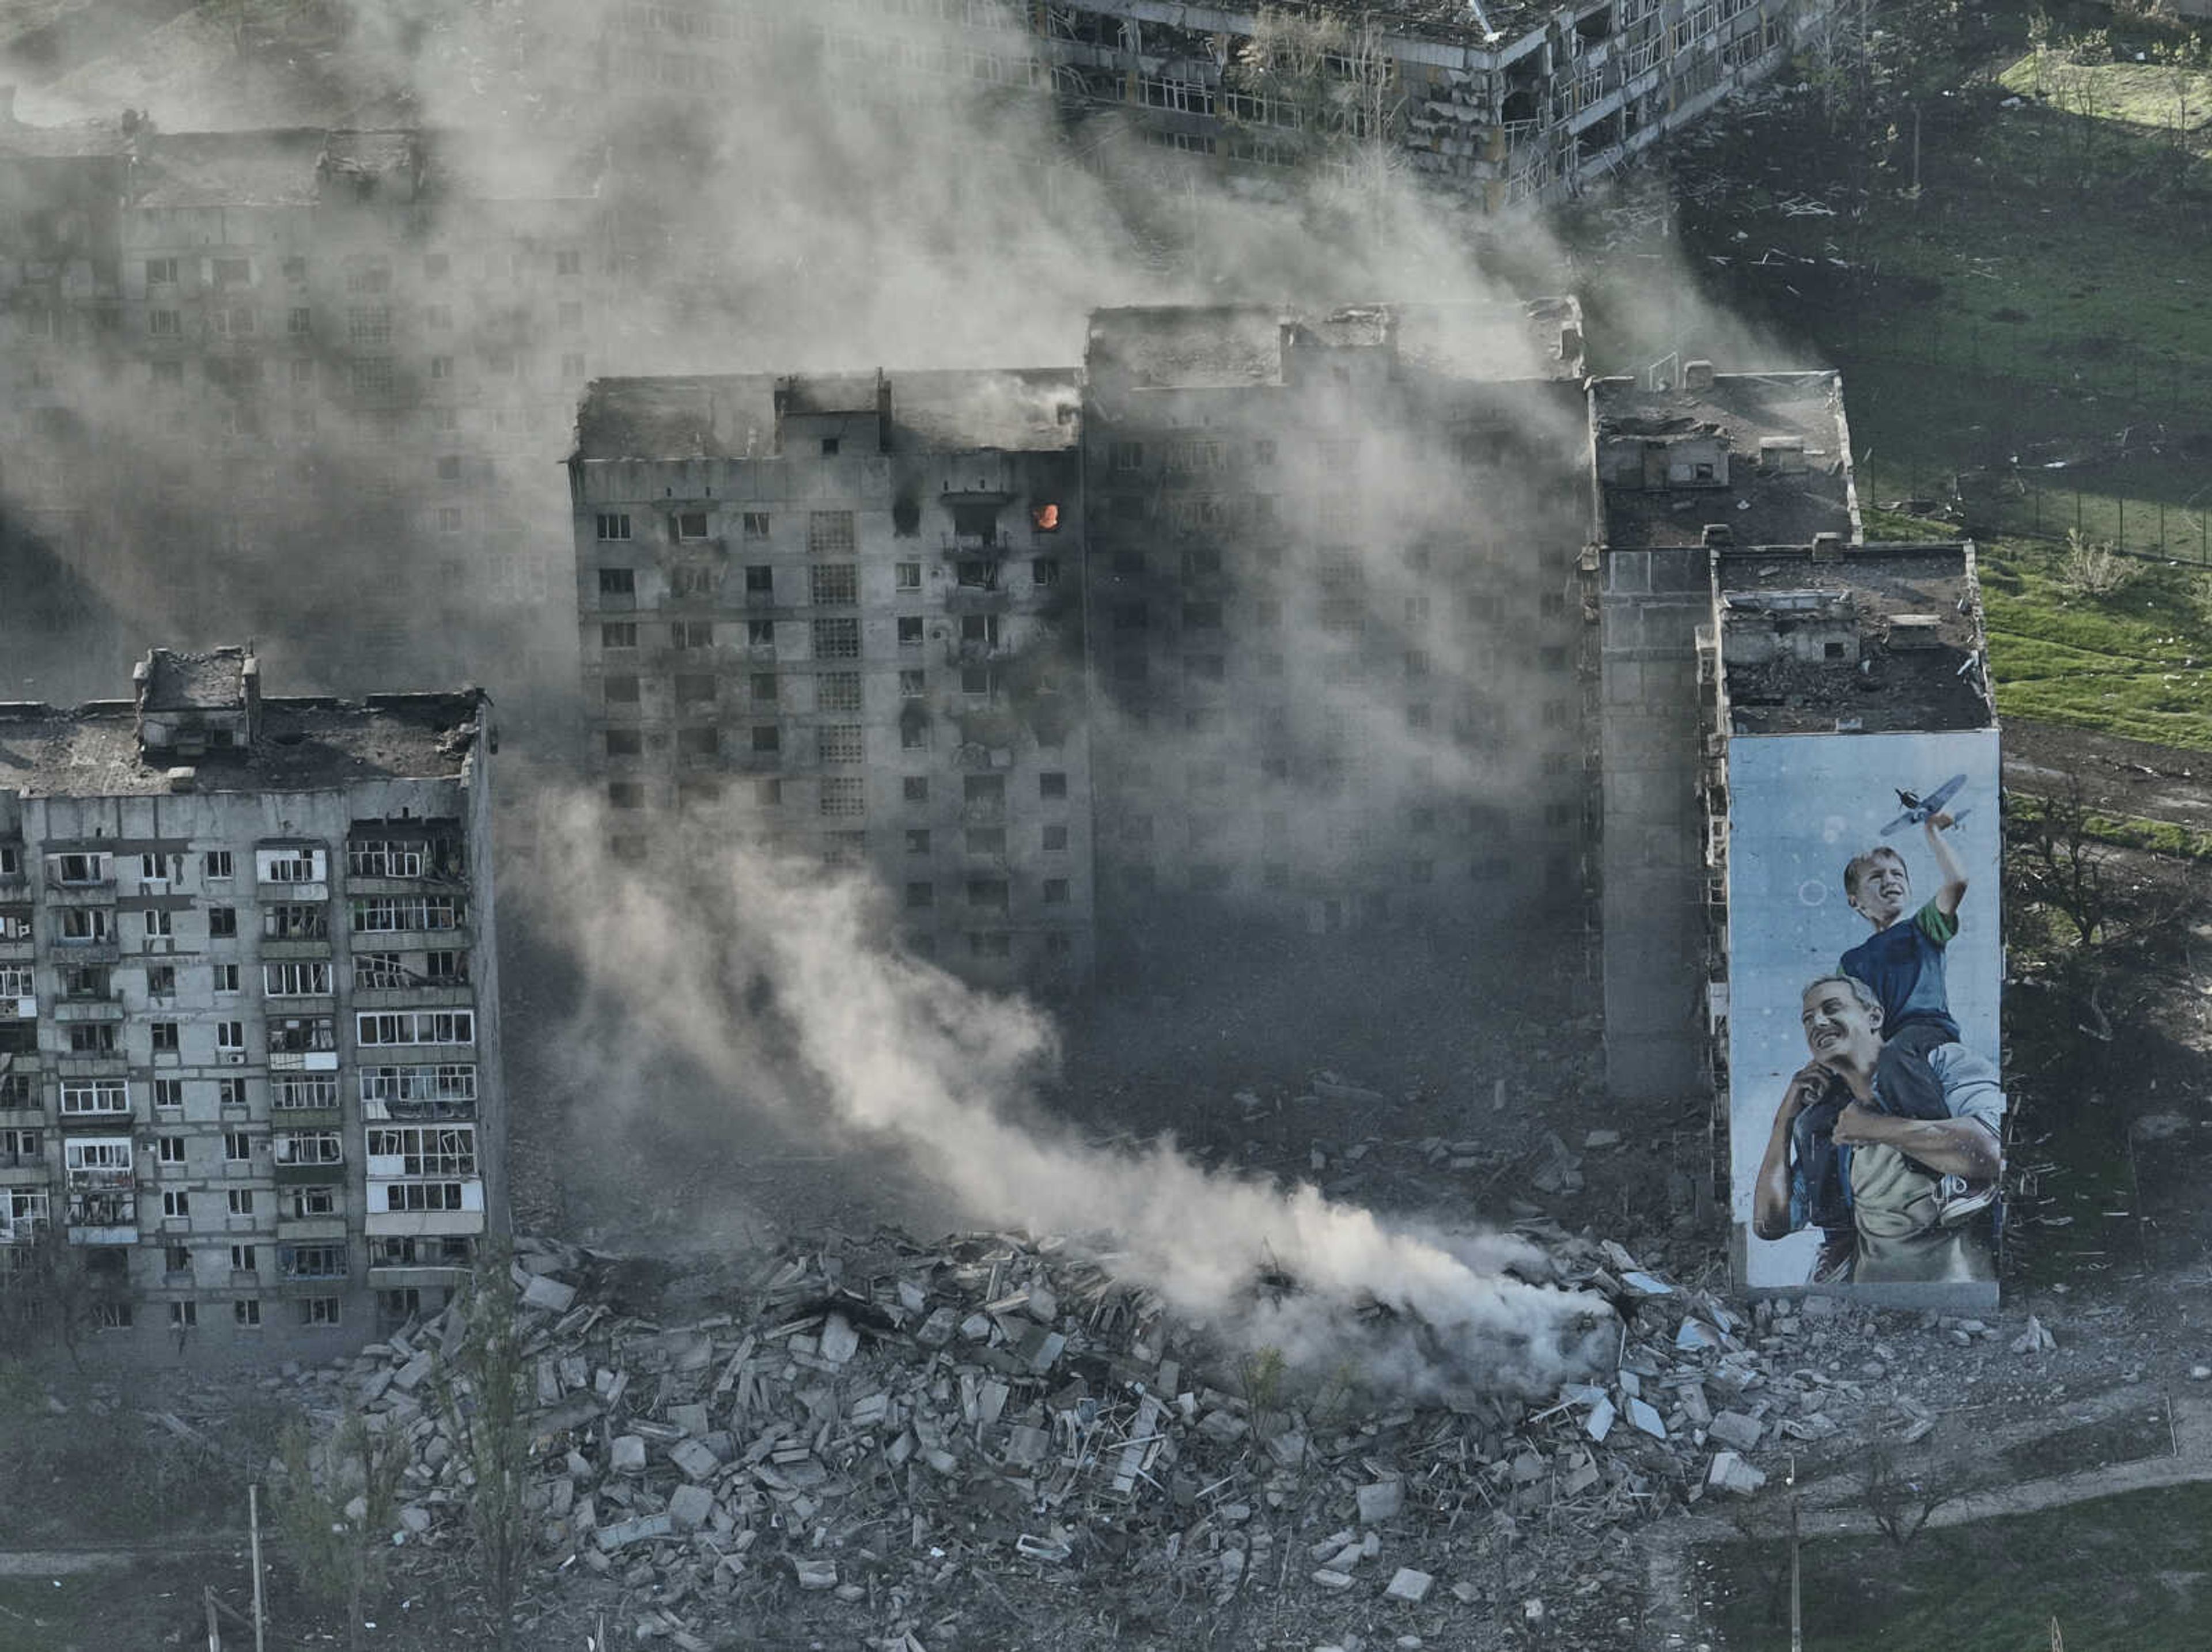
(486, 1396)
(1900, 1502)
(2064, 866)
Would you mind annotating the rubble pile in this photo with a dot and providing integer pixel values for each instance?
(902, 1430)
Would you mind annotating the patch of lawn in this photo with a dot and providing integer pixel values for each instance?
(2132, 661)
(2124, 1571)
(2156, 95)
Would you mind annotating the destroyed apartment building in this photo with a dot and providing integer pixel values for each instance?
(1372, 617)
(369, 338)
(1215, 594)
(250, 1100)
(1508, 106)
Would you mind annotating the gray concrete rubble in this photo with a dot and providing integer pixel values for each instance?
(884, 1425)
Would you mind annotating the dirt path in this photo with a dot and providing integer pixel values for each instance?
(2123, 776)
(62, 1562)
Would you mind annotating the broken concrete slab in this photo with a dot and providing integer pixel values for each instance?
(1408, 1585)
(1733, 1428)
(543, 1292)
(642, 1530)
(1730, 1473)
(690, 1507)
(1380, 1500)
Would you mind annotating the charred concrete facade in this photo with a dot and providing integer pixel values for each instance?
(842, 616)
(250, 1096)
(1716, 460)
(359, 338)
(1262, 616)
(1509, 105)
(1331, 563)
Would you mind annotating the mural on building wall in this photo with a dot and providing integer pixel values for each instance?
(1865, 969)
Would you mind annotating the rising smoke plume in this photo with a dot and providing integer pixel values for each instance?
(776, 981)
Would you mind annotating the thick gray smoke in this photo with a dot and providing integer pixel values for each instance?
(775, 981)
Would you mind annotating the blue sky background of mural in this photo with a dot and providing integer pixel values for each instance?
(1799, 806)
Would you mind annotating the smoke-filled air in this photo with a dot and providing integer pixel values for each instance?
(774, 984)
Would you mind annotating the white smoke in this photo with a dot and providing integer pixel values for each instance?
(780, 986)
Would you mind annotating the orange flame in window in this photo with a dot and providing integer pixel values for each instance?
(1047, 518)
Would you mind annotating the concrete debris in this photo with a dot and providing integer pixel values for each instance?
(888, 1422)
(2035, 1339)
(1730, 1473)
(1408, 1585)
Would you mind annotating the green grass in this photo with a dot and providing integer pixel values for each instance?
(2133, 662)
(2152, 94)
(2035, 327)
(2120, 1572)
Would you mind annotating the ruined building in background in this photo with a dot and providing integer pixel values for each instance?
(250, 1092)
(368, 342)
(1507, 106)
(843, 616)
(1303, 583)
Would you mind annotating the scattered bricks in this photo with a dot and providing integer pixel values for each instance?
(372, 1390)
(549, 1294)
(415, 1518)
(690, 1507)
(691, 1417)
(839, 1341)
(1288, 1449)
(1329, 1545)
(1733, 1428)
(977, 1327)
(1381, 1500)
(1332, 1580)
(696, 1458)
(816, 1574)
(1820, 1307)
(1409, 1586)
(1040, 1349)
(1730, 1473)
(623, 1533)
(1695, 1405)
(1043, 1306)
(869, 1410)
(626, 1455)
(1646, 1420)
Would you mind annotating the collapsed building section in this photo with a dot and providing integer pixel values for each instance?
(249, 1030)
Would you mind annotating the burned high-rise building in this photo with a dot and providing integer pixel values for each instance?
(844, 614)
(1285, 603)
(249, 1095)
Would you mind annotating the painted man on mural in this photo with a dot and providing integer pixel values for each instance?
(1898, 1196)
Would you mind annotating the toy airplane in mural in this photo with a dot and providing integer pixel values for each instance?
(1918, 809)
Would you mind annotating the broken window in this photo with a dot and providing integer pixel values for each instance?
(760, 633)
(377, 972)
(625, 794)
(416, 1027)
(704, 741)
(624, 742)
(917, 840)
(760, 580)
(617, 582)
(984, 788)
(692, 634)
(306, 980)
(696, 688)
(909, 631)
(1127, 455)
(382, 915)
(690, 524)
(690, 581)
(767, 738)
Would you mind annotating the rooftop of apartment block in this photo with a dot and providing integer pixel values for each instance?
(301, 744)
(1856, 638)
(1238, 346)
(1764, 455)
(738, 416)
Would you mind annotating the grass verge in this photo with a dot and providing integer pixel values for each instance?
(2122, 1571)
